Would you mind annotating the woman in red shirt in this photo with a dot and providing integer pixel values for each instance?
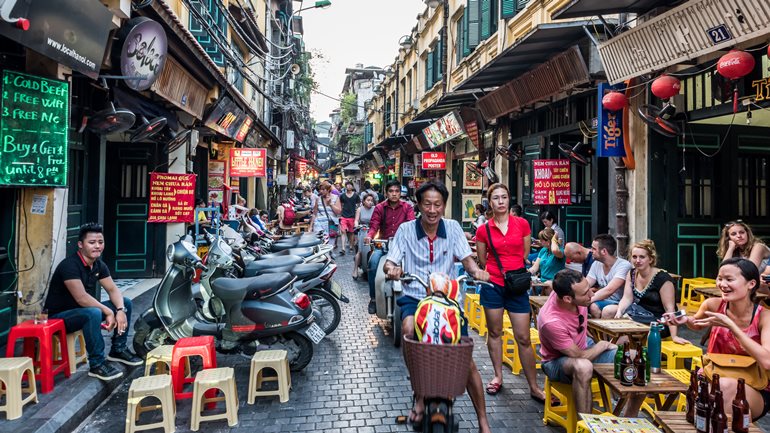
(510, 238)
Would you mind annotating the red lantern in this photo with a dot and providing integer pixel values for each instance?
(666, 86)
(735, 64)
(614, 101)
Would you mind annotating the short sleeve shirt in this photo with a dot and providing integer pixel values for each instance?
(73, 268)
(619, 270)
(509, 247)
(549, 263)
(559, 328)
(349, 205)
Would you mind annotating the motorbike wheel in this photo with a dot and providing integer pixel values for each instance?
(396, 325)
(300, 350)
(326, 309)
(147, 338)
(438, 419)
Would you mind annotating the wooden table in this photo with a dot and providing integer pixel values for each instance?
(660, 384)
(612, 329)
(536, 303)
(676, 422)
(714, 292)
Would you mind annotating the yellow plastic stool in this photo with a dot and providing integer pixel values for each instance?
(160, 358)
(682, 375)
(158, 386)
(510, 349)
(277, 360)
(690, 299)
(564, 414)
(12, 371)
(476, 319)
(675, 354)
(223, 379)
(78, 355)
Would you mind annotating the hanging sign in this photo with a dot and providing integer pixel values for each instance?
(434, 160)
(227, 119)
(472, 130)
(172, 198)
(611, 140)
(143, 47)
(34, 123)
(248, 162)
(443, 130)
(551, 181)
(408, 168)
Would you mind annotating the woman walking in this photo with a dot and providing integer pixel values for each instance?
(505, 239)
(326, 210)
(363, 216)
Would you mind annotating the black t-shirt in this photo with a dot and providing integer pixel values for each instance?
(72, 268)
(349, 205)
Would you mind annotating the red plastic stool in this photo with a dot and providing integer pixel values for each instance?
(44, 363)
(190, 346)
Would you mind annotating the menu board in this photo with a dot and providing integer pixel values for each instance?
(172, 198)
(248, 162)
(34, 122)
(552, 181)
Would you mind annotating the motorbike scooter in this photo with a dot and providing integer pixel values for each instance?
(243, 314)
(386, 292)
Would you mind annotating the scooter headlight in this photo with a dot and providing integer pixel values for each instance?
(170, 253)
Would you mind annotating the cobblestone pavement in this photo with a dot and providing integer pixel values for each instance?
(356, 382)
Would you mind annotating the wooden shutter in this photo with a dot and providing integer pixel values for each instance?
(521, 4)
(464, 34)
(508, 8)
(486, 18)
(429, 71)
(474, 23)
(437, 58)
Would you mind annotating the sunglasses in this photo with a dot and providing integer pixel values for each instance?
(581, 319)
(732, 223)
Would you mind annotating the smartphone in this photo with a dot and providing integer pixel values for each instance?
(674, 315)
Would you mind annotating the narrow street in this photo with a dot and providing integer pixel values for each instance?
(357, 381)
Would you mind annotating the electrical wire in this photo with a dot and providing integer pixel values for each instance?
(26, 237)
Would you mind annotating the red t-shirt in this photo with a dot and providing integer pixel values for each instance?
(509, 247)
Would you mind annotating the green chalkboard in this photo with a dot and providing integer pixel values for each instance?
(34, 123)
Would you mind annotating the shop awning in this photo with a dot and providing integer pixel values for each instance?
(448, 102)
(535, 47)
(590, 8)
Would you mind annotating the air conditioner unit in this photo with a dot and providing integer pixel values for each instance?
(289, 139)
(278, 89)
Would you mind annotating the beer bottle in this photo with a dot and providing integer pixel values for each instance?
(640, 368)
(646, 360)
(618, 359)
(702, 406)
(714, 389)
(741, 412)
(718, 417)
(692, 395)
(627, 370)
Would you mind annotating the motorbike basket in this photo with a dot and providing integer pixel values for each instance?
(438, 370)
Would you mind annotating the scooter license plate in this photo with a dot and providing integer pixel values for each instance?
(336, 289)
(315, 333)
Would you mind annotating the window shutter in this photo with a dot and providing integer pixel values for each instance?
(437, 58)
(474, 22)
(464, 34)
(486, 18)
(508, 8)
(521, 4)
(429, 71)
(459, 41)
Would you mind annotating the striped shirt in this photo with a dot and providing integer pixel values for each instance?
(421, 256)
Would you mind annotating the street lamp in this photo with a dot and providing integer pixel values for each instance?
(405, 41)
(433, 4)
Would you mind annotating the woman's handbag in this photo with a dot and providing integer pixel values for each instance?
(517, 282)
(333, 225)
(640, 314)
(736, 367)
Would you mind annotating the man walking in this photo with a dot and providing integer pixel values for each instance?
(70, 298)
(350, 201)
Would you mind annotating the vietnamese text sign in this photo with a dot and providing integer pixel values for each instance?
(172, 198)
(610, 128)
(248, 163)
(34, 123)
(552, 181)
(434, 160)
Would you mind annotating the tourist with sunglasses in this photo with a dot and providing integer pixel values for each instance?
(568, 353)
(738, 240)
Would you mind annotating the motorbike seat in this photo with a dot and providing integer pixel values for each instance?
(235, 289)
(301, 271)
(302, 252)
(258, 266)
(280, 246)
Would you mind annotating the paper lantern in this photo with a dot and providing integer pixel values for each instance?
(666, 86)
(735, 64)
(614, 101)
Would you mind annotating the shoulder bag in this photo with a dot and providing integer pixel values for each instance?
(517, 282)
(332, 224)
(736, 367)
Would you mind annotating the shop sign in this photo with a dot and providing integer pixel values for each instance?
(71, 32)
(551, 181)
(34, 126)
(301, 168)
(472, 130)
(142, 51)
(434, 160)
(408, 169)
(172, 198)
(226, 118)
(444, 129)
(248, 162)
(244, 129)
(611, 140)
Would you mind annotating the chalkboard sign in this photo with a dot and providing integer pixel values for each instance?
(34, 123)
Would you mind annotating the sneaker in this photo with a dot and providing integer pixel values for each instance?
(125, 356)
(372, 307)
(105, 371)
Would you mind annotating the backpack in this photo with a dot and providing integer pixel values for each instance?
(439, 319)
(288, 215)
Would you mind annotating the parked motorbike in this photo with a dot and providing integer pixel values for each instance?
(243, 314)
(386, 292)
(363, 248)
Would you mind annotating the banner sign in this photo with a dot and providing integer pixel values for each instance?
(434, 160)
(444, 129)
(610, 128)
(248, 162)
(552, 181)
(172, 198)
(34, 123)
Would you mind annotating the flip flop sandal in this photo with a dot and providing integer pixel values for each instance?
(494, 388)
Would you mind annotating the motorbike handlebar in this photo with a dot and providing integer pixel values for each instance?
(199, 265)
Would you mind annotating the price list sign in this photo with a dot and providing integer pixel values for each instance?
(172, 198)
(552, 181)
(34, 122)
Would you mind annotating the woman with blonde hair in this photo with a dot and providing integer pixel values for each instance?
(550, 258)
(738, 240)
(649, 292)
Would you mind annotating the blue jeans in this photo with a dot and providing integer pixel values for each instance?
(374, 260)
(89, 320)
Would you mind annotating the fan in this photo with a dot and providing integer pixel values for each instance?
(488, 170)
(577, 153)
(657, 118)
(509, 153)
(147, 129)
(110, 120)
(177, 140)
(720, 88)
